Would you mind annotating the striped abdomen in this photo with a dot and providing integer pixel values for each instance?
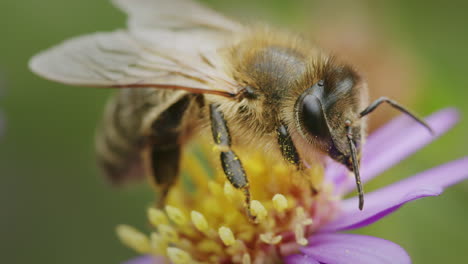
(127, 129)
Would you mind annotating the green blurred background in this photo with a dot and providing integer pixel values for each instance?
(56, 209)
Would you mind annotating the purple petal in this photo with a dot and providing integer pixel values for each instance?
(374, 141)
(397, 141)
(379, 143)
(351, 249)
(386, 200)
(300, 259)
(146, 260)
(336, 174)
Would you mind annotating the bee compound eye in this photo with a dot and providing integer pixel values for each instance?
(312, 116)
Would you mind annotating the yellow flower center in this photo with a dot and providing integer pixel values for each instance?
(207, 223)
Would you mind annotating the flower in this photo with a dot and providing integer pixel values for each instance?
(293, 225)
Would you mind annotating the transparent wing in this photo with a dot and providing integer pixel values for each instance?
(175, 55)
(173, 14)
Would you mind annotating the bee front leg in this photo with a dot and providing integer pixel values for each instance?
(290, 153)
(288, 150)
(232, 166)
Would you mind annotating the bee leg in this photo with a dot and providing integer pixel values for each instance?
(288, 150)
(163, 149)
(230, 162)
(164, 169)
(290, 153)
(397, 106)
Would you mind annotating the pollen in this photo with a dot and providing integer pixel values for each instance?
(215, 188)
(280, 202)
(133, 238)
(258, 210)
(158, 244)
(208, 222)
(231, 193)
(176, 215)
(179, 256)
(199, 221)
(246, 259)
(168, 233)
(302, 218)
(226, 235)
(157, 217)
(210, 246)
(299, 235)
(270, 238)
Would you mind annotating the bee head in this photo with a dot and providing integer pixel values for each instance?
(327, 114)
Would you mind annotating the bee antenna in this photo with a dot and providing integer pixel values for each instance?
(397, 106)
(355, 163)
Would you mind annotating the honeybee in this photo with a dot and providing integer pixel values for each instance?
(183, 69)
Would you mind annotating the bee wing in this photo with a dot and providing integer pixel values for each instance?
(173, 14)
(182, 54)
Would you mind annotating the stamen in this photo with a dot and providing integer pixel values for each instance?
(178, 256)
(133, 238)
(210, 246)
(258, 210)
(255, 167)
(270, 238)
(299, 233)
(176, 215)
(157, 217)
(215, 188)
(246, 259)
(168, 233)
(226, 235)
(199, 221)
(302, 217)
(197, 172)
(189, 230)
(307, 221)
(230, 192)
(316, 176)
(280, 202)
(158, 244)
(300, 213)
